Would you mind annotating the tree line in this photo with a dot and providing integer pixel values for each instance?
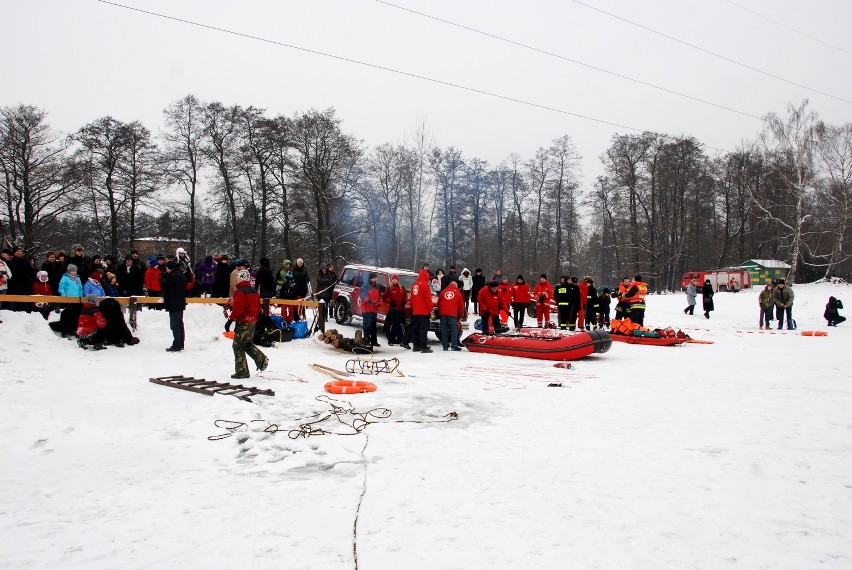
(232, 179)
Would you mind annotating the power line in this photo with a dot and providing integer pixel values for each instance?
(391, 70)
(568, 59)
(714, 54)
(792, 29)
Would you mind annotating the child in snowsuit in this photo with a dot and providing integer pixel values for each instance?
(766, 302)
(90, 326)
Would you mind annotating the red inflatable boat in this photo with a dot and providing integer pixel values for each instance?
(545, 344)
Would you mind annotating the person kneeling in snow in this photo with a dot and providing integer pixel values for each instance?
(832, 315)
(245, 309)
(90, 327)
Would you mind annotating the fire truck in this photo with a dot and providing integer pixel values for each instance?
(732, 279)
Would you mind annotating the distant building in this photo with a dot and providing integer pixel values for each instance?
(763, 271)
(147, 246)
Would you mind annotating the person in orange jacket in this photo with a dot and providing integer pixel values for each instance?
(543, 294)
(421, 309)
(450, 309)
(520, 300)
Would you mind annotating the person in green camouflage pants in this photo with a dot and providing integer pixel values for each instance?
(245, 308)
(244, 343)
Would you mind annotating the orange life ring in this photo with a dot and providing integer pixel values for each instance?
(814, 333)
(349, 387)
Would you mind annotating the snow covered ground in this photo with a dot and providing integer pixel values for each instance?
(736, 454)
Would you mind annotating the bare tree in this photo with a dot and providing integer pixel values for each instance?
(221, 148)
(102, 154)
(35, 188)
(835, 152)
(790, 144)
(182, 138)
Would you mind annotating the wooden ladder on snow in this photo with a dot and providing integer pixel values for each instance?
(208, 387)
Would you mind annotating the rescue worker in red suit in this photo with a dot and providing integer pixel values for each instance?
(245, 308)
(543, 294)
(490, 307)
(504, 293)
(581, 310)
(421, 308)
(371, 301)
(520, 301)
(395, 296)
(451, 306)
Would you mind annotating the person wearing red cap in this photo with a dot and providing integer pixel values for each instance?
(93, 285)
(421, 308)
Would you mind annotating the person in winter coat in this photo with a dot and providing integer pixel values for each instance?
(466, 280)
(395, 297)
(81, 261)
(691, 294)
(93, 285)
(222, 280)
(302, 284)
(207, 272)
(5, 274)
(173, 286)
(591, 303)
(562, 296)
(489, 308)
(520, 301)
(130, 279)
(69, 285)
(325, 288)
(766, 301)
(450, 310)
(20, 281)
(477, 283)
(638, 291)
(604, 300)
(185, 266)
(504, 291)
(110, 285)
(42, 287)
(543, 294)
(287, 291)
(573, 303)
(152, 277)
(439, 282)
(245, 309)
(91, 325)
(783, 296)
(622, 307)
(371, 301)
(239, 265)
(707, 298)
(54, 270)
(286, 267)
(264, 280)
(421, 309)
(832, 313)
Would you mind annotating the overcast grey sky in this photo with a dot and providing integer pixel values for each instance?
(83, 59)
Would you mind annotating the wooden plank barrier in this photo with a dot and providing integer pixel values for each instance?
(133, 303)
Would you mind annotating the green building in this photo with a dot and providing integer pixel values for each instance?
(764, 271)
